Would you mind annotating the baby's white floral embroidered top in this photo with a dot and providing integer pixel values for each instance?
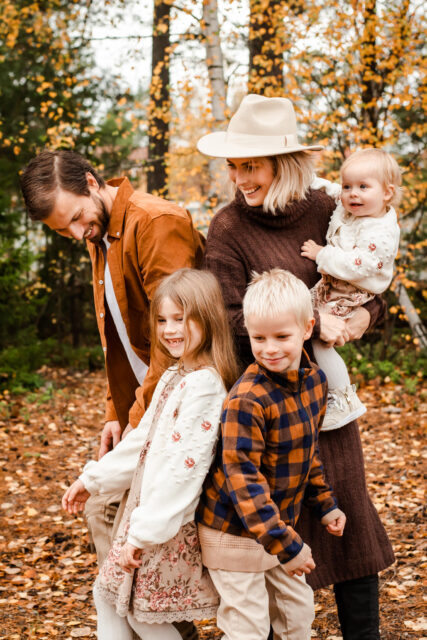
(178, 460)
(359, 250)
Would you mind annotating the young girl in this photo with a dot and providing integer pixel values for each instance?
(153, 575)
(356, 263)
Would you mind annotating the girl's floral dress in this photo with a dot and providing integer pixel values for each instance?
(171, 584)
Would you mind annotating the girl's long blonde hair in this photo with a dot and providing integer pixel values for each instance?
(198, 294)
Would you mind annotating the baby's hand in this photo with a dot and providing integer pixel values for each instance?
(130, 557)
(336, 527)
(75, 497)
(310, 249)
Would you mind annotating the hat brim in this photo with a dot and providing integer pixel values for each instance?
(217, 146)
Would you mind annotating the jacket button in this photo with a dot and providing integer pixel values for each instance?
(101, 282)
(101, 315)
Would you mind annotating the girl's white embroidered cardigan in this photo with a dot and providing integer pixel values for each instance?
(178, 460)
(359, 250)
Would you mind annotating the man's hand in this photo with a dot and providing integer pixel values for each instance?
(310, 249)
(110, 437)
(336, 527)
(130, 557)
(358, 323)
(75, 497)
(128, 429)
(333, 330)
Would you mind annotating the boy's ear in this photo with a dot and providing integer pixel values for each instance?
(309, 329)
(388, 192)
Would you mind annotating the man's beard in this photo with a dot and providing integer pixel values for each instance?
(103, 219)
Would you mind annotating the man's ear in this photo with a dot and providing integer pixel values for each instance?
(91, 181)
(309, 329)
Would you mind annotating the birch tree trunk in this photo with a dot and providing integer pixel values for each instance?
(418, 329)
(218, 92)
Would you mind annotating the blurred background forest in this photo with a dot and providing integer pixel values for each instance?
(133, 84)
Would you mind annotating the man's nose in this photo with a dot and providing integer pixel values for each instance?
(76, 231)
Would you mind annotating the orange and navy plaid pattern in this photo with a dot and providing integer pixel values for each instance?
(267, 462)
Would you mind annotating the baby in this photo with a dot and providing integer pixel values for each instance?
(357, 262)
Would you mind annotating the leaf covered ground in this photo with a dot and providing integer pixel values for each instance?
(47, 569)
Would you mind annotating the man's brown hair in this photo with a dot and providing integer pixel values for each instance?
(50, 171)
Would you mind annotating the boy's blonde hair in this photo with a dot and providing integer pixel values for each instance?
(198, 294)
(277, 291)
(293, 175)
(382, 166)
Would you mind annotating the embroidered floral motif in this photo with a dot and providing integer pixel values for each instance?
(206, 425)
(182, 385)
(380, 265)
(372, 247)
(189, 462)
(176, 436)
(175, 414)
(358, 262)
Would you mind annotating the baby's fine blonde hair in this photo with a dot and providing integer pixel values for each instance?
(382, 166)
(277, 291)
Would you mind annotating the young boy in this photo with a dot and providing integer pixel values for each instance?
(266, 466)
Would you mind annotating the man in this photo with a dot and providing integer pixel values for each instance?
(134, 240)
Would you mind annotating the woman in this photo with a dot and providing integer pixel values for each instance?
(274, 211)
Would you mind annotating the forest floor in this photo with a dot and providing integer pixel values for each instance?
(47, 569)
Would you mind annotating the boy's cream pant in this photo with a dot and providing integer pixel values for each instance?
(251, 601)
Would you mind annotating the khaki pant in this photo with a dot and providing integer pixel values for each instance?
(251, 601)
(103, 515)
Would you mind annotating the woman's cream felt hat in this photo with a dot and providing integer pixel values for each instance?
(260, 127)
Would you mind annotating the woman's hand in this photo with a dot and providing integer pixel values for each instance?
(310, 249)
(333, 330)
(75, 497)
(130, 557)
(358, 323)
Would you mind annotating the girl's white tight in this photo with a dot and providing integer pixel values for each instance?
(111, 626)
(332, 364)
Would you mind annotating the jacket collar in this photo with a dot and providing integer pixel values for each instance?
(117, 215)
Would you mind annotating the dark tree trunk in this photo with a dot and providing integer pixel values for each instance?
(266, 33)
(159, 105)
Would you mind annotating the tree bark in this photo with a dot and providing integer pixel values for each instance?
(418, 329)
(160, 103)
(218, 92)
(266, 38)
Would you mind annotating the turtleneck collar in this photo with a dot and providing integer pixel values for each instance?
(284, 217)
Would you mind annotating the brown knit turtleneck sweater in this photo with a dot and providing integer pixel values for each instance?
(243, 239)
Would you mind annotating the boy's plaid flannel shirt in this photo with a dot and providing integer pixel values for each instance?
(267, 461)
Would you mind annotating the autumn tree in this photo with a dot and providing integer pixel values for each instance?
(47, 99)
(160, 102)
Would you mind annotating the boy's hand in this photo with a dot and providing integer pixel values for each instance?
(307, 566)
(310, 249)
(130, 557)
(336, 527)
(75, 497)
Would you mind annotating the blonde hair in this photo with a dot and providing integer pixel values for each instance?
(277, 291)
(198, 294)
(293, 174)
(384, 168)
